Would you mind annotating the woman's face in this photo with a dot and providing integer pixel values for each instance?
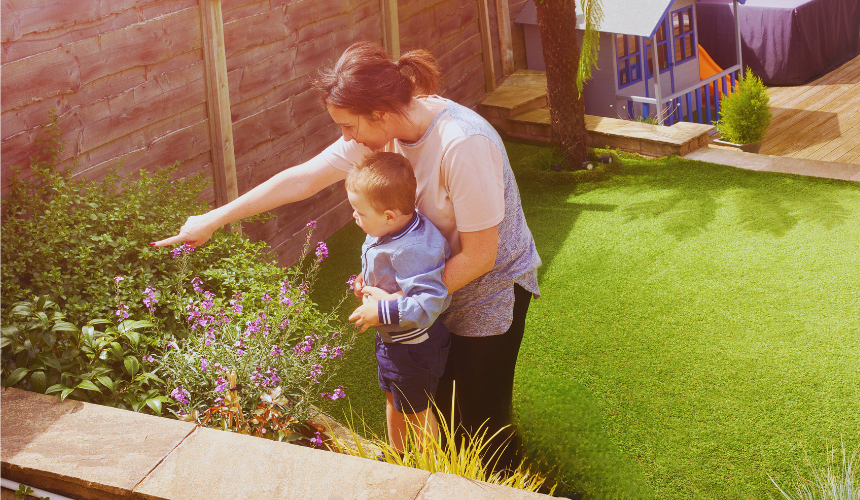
(361, 129)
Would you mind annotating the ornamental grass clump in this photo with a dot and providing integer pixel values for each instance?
(469, 458)
(835, 482)
(745, 112)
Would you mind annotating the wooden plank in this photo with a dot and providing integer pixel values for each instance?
(487, 46)
(390, 28)
(218, 103)
(809, 126)
(847, 140)
(66, 69)
(503, 15)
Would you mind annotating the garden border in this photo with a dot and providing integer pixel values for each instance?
(92, 452)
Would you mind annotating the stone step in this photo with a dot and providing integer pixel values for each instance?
(782, 164)
(644, 138)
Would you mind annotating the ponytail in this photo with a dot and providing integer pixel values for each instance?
(364, 80)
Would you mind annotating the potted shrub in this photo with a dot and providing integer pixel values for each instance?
(745, 114)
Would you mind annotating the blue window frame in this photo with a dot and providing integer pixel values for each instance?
(683, 38)
(662, 50)
(629, 59)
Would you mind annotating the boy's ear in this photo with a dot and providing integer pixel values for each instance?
(390, 216)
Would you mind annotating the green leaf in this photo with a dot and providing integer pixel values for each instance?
(99, 321)
(88, 331)
(87, 385)
(106, 381)
(133, 336)
(38, 381)
(55, 388)
(152, 376)
(50, 338)
(64, 326)
(5, 341)
(46, 323)
(10, 331)
(155, 404)
(66, 392)
(132, 365)
(117, 351)
(15, 376)
(52, 361)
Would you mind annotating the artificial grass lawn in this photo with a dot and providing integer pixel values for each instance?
(699, 327)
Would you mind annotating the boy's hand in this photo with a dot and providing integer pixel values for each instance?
(357, 285)
(380, 294)
(366, 315)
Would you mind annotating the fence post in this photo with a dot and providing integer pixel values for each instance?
(487, 46)
(390, 28)
(503, 14)
(218, 103)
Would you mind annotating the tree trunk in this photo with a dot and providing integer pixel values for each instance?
(556, 24)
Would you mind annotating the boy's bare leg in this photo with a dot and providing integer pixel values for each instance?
(397, 423)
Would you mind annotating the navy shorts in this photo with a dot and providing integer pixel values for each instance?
(410, 372)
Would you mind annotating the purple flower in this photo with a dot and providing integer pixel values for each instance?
(234, 303)
(312, 224)
(221, 384)
(316, 371)
(351, 280)
(276, 352)
(181, 395)
(182, 251)
(203, 364)
(196, 282)
(122, 310)
(266, 297)
(149, 299)
(118, 279)
(316, 440)
(322, 251)
(338, 394)
(148, 359)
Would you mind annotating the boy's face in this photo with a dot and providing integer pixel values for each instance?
(368, 219)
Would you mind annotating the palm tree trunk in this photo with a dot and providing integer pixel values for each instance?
(556, 24)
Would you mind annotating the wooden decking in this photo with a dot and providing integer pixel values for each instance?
(820, 120)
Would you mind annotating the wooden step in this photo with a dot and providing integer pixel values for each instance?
(523, 91)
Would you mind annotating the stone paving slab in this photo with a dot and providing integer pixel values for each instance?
(782, 164)
(443, 486)
(81, 450)
(213, 464)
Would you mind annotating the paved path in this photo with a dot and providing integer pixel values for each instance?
(768, 163)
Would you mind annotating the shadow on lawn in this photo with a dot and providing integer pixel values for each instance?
(686, 198)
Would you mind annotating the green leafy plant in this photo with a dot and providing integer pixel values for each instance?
(24, 492)
(68, 237)
(835, 482)
(745, 113)
(101, 362)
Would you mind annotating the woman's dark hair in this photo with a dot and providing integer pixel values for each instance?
(364, 80)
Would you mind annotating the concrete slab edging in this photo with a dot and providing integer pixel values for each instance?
(91, 452)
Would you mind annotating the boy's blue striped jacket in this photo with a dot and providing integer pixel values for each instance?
(411, 260)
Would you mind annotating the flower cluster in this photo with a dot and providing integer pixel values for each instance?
(326, 351)
(182, 251)
(149, 299)
(235, 302)
(122, 310)
(312, 224)
(181, 395)
(269, 378)
(322, 251)
(304, 347)
(351, 281)
(316, 440)
(337, 394)
(316, 371)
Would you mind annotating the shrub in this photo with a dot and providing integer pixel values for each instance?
(286, 342)
(69, 237)
(745, 112)
(102, 362)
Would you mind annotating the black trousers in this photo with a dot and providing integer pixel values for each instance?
(483, 368)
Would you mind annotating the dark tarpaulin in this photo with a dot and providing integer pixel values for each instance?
(785, 42)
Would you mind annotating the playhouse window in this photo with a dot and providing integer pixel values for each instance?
(682, 34)
(662, 50)
(629, 59)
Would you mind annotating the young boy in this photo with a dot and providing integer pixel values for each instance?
(402, 262)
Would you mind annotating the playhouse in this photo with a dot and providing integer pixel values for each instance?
(633, 35)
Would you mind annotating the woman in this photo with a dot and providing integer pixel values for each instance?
(465, 187)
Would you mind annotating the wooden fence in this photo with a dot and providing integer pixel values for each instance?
(222, 88)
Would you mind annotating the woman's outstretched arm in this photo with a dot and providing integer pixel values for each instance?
(291, 185)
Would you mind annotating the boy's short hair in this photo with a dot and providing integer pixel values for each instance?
(385, 180)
